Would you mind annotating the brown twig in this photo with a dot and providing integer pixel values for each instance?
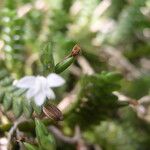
(13, 130)
(86, 67)
(59, 135)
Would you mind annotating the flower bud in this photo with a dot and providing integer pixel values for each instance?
(61, 66)
(53, 112)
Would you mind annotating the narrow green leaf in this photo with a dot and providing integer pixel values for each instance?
(113, 76)
(47, 59)
(17, 106)
(27, 108)
(7, 102)
(37, 109)
(40, 128)
(45, 139)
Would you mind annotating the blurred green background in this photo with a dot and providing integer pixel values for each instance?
(114, 35)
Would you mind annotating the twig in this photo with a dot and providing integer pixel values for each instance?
(86, 67)
(65, 104)
(13, 130)
(59, 135)
(75, 70)
(141, 106)
(143, 109)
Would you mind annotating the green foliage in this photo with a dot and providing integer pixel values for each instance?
(45, 139)
(13, 98)
(124, 28)
(134, 87)
(27, 109)
(103, 119)
(47, 59)
(95, 101)
(12, 34)
(108, 135)
(115, 8)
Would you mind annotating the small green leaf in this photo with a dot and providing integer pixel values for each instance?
(45, 139)
(40, 128)
(37, 109)
(7, 81)
(17, 106)
(113, 76)
(47, 59)
(27, 108)
(7, 102)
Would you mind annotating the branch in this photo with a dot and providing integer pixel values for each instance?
(59, 135)
(86, 67)
(13, 130)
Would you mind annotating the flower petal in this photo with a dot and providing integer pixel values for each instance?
(49, 93)
(55, 80)
(25, 82)
(40, 98)
(31, 92)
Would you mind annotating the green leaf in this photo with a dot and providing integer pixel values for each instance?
(27, 108)
(40, 128)
(45, 139)
(7, 81)
(95, 101)
(7, 102)
(37, 109)
(113, 76)
(17, 106)
(47, 59)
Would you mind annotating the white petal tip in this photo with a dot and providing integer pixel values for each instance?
(39, 99)
(55, 80)
(25, 82)
(38, 104)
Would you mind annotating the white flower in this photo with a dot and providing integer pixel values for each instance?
(39, 87)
